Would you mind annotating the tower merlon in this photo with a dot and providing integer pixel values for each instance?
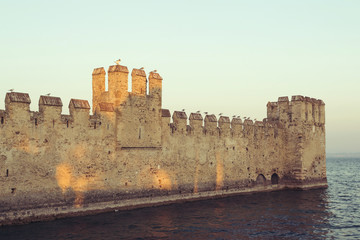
(118, 68)
(283, 108)
(180, 120)
(138, 81)
(50, 101)
(224, 122)
(50, 108)
(210, 123)
(224, 125)
(155, 83)
(79, 110)
(98, 71)
(196, 116)
(155, 75)
(117, 84)
(165, 120)
(79, 104)
(196, 122)
(16, 97)
(165, 113)
(98, 86)
(236, 125)
(272, 111)
(17, 105)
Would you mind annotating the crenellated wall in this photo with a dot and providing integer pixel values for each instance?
(130, 152)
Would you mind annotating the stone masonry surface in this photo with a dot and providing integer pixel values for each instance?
(130, 154)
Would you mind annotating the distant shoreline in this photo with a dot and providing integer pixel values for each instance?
(343, 155)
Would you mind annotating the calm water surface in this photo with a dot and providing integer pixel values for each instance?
(331, 213)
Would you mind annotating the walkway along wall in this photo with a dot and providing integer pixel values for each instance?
(130, 152)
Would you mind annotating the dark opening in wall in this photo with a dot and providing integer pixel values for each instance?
(36, 123)
(2, 120)
(95, 125)
(7, 172)
(274, 179)
(139, 133)
(67, 123)
(260, 180)
(13, 190)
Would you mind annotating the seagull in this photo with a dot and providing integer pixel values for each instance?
(142, 68)
(11, 90)
(48, 94)
(117, 61)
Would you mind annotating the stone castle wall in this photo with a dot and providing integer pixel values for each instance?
(129, 153)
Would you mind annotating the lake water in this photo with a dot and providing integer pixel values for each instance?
(332, 213)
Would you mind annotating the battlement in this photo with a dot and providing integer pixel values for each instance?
(210, 125)
(299, 109)
(118, 85)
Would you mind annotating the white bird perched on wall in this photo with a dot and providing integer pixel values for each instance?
(117, 61)
(142, 68)
(11, 90)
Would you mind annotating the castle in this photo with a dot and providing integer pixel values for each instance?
(130, 154)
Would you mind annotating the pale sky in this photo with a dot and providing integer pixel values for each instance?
(228, 57)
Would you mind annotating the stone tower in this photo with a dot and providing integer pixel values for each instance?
(303, 119)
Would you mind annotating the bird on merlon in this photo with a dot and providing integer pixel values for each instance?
(117, 61)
